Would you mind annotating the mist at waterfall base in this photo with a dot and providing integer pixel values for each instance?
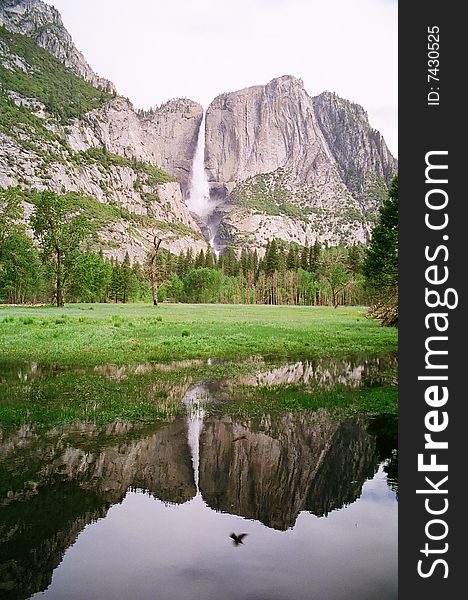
(198, 199)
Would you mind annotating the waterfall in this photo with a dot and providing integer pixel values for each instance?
(199, 191)
(198, 199)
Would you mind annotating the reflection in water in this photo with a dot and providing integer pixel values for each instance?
(194, 400)
(274, 470)
(327, 372)
(128, 510)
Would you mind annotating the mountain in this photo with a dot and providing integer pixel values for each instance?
(280, 163)
(58, 131)
(43, 24)
(291, 166)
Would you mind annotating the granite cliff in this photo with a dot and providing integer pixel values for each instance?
(44, 25)
(295, 167)
(280, 163)
(65, 129)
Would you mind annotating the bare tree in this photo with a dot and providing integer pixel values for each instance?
(152, 267)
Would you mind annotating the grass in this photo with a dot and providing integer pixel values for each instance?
(86, 396)
(65, 365)
(86, 334)
(341, 401)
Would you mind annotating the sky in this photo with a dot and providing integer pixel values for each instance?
(155, 50)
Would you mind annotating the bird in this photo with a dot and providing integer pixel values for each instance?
(238, 538)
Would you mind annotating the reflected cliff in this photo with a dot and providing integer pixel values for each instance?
(328, 372)
(272, 468)
(53, 484)
(352, 371)
(269, 469)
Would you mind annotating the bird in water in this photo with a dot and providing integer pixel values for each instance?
(238, 538)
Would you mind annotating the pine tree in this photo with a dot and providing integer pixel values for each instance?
(200, 260)
(230, 264)
(126, 278)
(189, 262)
(381, 260)
(115, 288)
(244, 262)
(209, 260)
(354, 259)
(181, 268)
(314, 257)
(291, 259)
(305, 258)
(272, 258)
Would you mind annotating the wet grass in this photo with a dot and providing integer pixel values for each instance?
(51, 396)
(69, 397)
(249, 401)
(59, 366)
(93, 334)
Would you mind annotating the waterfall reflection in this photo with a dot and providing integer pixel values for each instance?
(269, 469)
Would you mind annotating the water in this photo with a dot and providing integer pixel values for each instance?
(199, 191)
(198, 199)
(146, 510)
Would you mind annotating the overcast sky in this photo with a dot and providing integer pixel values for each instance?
(155, 50)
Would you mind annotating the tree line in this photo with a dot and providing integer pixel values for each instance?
(285, 274)
(61, 261)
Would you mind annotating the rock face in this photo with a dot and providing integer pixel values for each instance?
(292, 166)
(281, 163)
(44, 24)
(262, 128)
(44, 152)
(165, 136)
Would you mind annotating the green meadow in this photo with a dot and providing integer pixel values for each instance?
(93, 334)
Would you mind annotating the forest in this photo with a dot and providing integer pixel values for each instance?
(58, 258)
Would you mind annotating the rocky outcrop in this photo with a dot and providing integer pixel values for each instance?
(165, 136)
(292, 166)
(360, 152)
(260, 129)
(137, 200)
(44, 25)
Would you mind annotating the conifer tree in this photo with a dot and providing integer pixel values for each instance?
(305, 258)
(200, 260)
(271, 258)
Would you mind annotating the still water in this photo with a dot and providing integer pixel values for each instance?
(146, 511)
